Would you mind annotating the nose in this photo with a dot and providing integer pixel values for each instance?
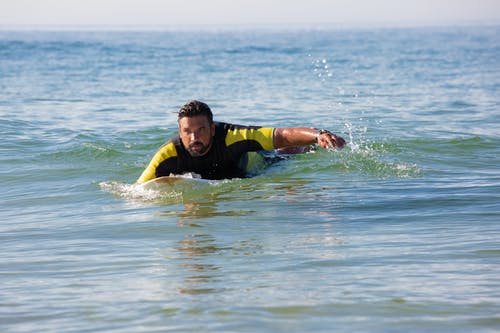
(193, 136)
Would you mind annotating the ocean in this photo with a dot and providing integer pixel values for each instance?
(398, 232)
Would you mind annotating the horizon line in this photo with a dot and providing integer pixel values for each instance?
(256, 26)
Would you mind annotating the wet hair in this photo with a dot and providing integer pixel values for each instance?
(195, 108)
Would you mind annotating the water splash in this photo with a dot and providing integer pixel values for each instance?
(138, 192)
(376, 161)
(372, 157)
(322, 69)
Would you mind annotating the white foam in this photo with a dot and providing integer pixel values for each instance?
(137, 191)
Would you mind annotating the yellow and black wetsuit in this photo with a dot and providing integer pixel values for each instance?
(225, 159)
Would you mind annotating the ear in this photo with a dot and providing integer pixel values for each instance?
(212, 128)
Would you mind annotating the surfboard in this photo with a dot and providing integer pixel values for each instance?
(169, 182)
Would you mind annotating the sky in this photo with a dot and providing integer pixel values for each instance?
(245, 12)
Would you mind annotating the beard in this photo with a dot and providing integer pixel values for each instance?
(197, 149)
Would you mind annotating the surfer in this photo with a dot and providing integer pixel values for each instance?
(217, 150)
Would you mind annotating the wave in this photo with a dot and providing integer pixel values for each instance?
(117, 159)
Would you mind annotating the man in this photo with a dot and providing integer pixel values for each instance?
(216, 150)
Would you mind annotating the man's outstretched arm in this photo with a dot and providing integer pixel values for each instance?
(303, 136)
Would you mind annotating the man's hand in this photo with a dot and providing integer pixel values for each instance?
(329, 140)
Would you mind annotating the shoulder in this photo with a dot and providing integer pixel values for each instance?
(166, 151)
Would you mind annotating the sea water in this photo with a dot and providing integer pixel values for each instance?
(398, 232)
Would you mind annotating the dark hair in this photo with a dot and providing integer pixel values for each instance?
(195, 108)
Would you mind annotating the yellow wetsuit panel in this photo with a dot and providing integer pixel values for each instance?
(263, 135)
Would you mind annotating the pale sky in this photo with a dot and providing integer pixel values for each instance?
(246, 12)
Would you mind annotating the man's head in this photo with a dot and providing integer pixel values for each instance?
(196, 127)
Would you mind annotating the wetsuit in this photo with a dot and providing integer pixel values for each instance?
(226, 158)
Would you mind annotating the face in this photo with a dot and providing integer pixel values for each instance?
(196, 134)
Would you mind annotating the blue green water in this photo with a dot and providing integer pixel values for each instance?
(399, 232)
